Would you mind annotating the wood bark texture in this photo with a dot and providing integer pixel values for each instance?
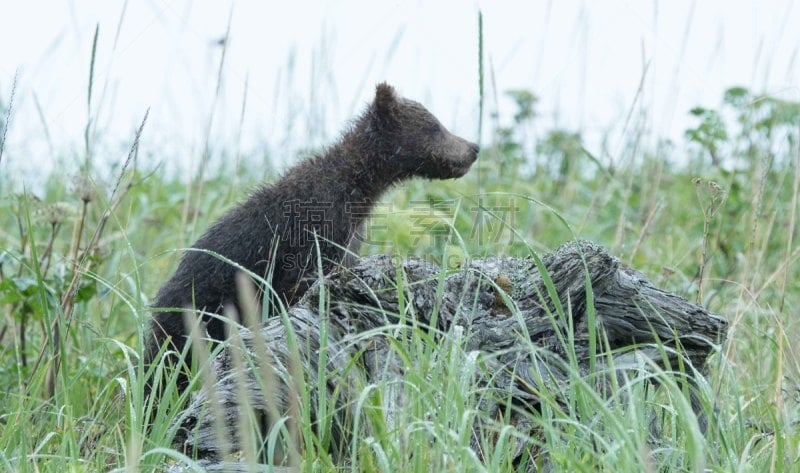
(526, 336)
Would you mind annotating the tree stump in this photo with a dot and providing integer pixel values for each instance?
(502, 309)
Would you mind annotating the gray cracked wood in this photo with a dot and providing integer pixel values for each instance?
(499, 308)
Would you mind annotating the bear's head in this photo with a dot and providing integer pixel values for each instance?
(416, 143)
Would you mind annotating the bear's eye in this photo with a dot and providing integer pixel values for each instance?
(435, 129)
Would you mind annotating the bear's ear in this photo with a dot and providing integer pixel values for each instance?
(385, 105)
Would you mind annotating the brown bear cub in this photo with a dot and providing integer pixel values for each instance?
(321, 202)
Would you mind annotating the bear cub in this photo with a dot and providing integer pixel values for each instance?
(322, 202)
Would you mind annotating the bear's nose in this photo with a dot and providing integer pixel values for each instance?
(474, 148)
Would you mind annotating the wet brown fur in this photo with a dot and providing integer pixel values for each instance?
(272, 233)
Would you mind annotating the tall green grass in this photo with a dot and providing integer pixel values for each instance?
(713, 219)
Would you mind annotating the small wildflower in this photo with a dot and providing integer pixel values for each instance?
(715, 188)
(84, 188)
(55, 213)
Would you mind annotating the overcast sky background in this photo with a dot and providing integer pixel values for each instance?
(308, 66)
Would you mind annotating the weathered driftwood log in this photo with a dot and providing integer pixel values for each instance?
(500, 308)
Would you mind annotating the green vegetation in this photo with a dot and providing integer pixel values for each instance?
(78, 262)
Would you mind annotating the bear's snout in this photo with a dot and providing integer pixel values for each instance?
(473, 150)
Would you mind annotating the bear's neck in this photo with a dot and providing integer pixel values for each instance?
(347, 179)
(359, 167)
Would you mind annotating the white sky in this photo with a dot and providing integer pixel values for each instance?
(311, 65)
